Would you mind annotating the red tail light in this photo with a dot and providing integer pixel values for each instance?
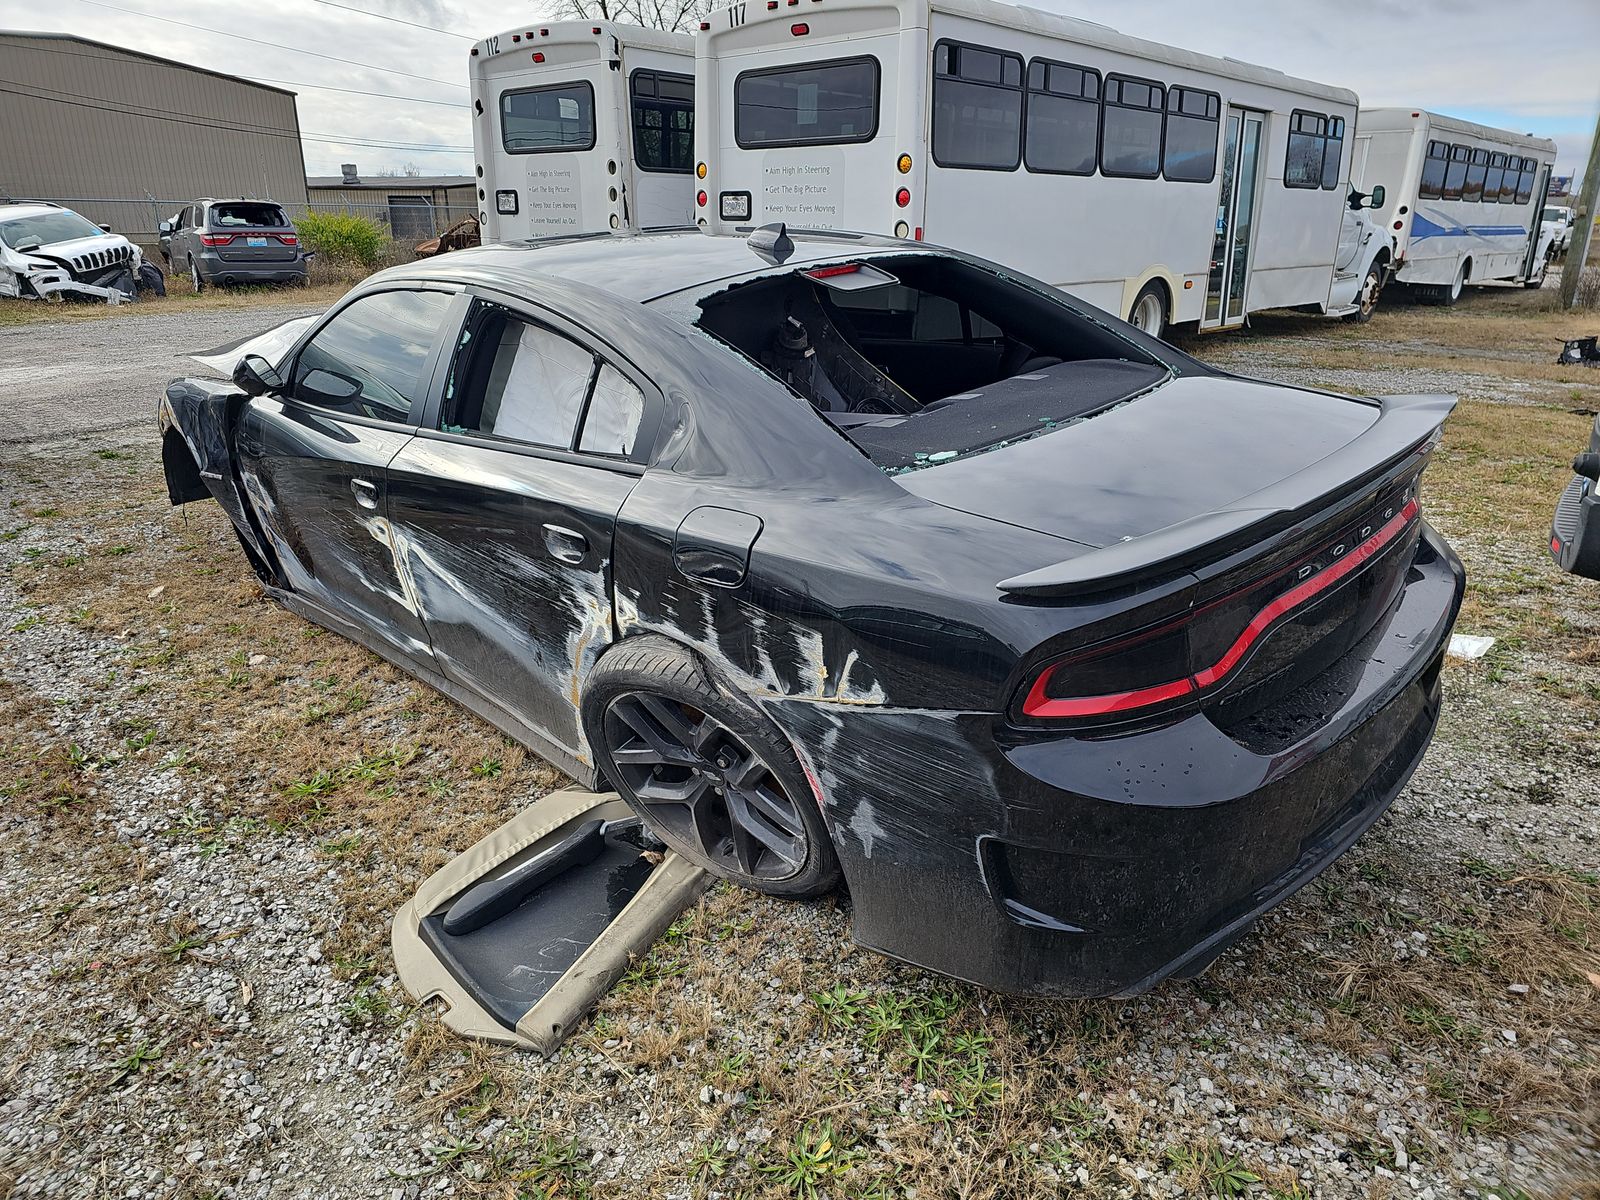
(217, 239)
(289, 239)
(1042, 704)
(799, 29)
(830, 272)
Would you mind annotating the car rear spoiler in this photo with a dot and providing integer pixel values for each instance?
(1407, 424)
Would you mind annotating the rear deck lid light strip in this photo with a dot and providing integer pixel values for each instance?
(1040, 704)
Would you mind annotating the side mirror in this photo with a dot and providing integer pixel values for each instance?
(1376, 198)
(255, 376)
(105, 227)
(328, 387)
(166, 227)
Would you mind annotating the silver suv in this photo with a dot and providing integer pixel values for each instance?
(233, 241)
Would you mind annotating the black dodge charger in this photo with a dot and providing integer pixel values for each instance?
(839, 556)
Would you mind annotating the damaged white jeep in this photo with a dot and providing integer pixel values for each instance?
(47, 252)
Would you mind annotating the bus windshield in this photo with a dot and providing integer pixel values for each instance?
(811, 104)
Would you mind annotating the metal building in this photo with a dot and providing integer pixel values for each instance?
(125, 137)
(414, 207)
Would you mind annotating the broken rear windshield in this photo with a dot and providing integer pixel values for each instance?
(46, 229)
(941, 359)
(238, 216)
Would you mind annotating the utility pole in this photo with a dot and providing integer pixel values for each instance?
(1578, 252)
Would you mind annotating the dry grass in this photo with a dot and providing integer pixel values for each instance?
(178, 299)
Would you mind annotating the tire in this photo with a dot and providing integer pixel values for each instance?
(1149, 311)
(1538, 280)
(698, 748)
(1367, 298)
(1450, 294)
(196, 280)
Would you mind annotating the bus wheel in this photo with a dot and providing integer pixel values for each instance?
(1536, 280)
(1149, 311)
(1451, 293)
(1367, 300)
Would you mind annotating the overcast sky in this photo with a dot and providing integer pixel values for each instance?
(1531, 67)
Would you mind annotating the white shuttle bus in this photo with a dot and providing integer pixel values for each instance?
(1463, 201)
(583, 126)
(1161, 185)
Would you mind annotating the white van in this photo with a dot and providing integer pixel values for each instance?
(1159, 184)
(1464, 202)
(583, 126)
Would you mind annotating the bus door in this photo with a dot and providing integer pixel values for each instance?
(1243, 152)
(1541, 193)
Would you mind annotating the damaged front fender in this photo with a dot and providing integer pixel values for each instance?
(196, 418)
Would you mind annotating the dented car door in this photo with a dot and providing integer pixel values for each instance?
(503, 509)
(313, 456)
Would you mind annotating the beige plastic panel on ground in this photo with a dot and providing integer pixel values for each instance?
(671, 888)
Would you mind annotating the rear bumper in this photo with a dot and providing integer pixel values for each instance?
(216, 269)
(1093, 867)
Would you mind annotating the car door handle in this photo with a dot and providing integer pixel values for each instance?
(366, 492)
(565, 545)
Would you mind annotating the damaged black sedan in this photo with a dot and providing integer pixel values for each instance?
(847, 557)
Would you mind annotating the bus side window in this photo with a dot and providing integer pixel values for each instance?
(1455, 175)
(1194, 118)
(663, 121)
(1131, 127)
(1477, 170)
(1508, 188)
(1063, 118)
(977, 107)
(1304, 165)
(1433, 170)
(1495, 179)
(1530, 167)
(1332, 152)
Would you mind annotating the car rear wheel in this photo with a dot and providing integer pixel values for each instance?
(195, 280)
(1149, 311)
(708, 772)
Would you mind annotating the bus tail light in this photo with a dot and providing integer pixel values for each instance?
(902, 230)
(903, 197)
(700, 199)
(538, 56)
(903, 164)
(700, 170)
(799, 29)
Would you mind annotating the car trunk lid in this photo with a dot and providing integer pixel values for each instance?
(1189, 450)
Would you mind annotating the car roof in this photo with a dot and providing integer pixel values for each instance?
(640, 267)
(30, 210)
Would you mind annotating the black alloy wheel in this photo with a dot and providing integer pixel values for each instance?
(707, 769)
(702, 784)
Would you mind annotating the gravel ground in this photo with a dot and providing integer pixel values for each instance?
(211, 812)
(110, 370)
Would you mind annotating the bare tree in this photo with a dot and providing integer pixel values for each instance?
(681, 15)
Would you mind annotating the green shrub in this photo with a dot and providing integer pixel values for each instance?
(342, 237)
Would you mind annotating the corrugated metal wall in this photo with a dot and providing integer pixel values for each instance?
(82, 122)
